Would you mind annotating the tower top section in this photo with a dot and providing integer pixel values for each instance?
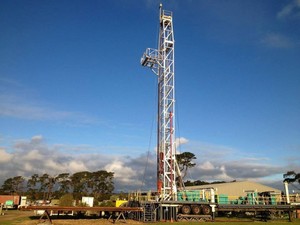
(164, 14)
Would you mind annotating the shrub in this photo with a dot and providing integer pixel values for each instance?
(66, 200)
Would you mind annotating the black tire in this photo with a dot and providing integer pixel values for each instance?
(196, 209)
(186, 209)
(206, 210)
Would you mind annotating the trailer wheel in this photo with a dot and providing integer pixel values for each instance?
(196, 209)
(186, 209)
(206, 210)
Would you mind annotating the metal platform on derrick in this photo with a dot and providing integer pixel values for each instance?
(116, 213)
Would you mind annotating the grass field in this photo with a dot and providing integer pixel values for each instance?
(15, 217)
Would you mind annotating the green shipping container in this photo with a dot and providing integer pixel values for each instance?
(223, 199)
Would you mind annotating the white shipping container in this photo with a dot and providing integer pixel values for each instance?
(23, 201)
(89, 201)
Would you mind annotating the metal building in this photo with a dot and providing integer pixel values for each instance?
(237, 189)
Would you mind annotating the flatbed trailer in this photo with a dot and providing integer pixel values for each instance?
(176, 211)
(264, 211)
(116, 213)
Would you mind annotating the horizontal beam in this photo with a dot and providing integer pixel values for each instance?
(81, 208)
(228, 207)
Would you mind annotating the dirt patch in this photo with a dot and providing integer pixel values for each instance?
(12, 215)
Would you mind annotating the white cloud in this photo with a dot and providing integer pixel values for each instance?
(37, 138)
(4, 156)
(76, 166)
(274, 40)
(292, 9)
(51, 165)
(33, 155)
(207, 166)
(213, 162)
(223, 176)
(28, 166)
(123, 173)
(181, 141)
(217, 162)
(227, 170)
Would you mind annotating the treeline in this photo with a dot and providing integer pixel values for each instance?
(97, 184)
(200, 182)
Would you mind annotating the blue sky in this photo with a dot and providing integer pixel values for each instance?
(74, 97)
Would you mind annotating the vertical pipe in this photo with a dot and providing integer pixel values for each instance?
(171, 153)
(160, 12)
(286, 187)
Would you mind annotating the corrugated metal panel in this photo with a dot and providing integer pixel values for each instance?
(237, 188)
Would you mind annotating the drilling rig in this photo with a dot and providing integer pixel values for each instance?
(161, 61)
(169, 183)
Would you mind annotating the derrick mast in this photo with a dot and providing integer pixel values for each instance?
(161, 61)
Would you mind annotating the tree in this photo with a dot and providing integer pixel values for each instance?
(13, 185)
(184, 161)
(98, 184)
(64, 184)
(32, 187)
(291, 177)
(47, 184)
(7, 186)
(80, 183)
(102, 184)
(195, 183)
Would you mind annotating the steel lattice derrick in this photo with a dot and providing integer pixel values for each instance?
(161, 61)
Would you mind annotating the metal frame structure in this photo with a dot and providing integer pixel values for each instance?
(161, 61)
(116, 213)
